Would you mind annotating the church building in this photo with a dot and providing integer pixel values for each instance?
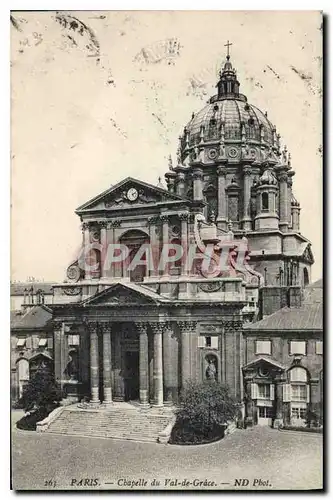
(136, 319)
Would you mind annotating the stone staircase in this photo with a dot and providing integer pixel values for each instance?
(119, 421)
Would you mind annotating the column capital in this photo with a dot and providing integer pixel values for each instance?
(247, 170)
(141, 326)
(232, 325)
(159, 327)
(221, 171)
(92, 326)
(113, 223)
(105, 327)
(164, 218)
(85, 226)
(184, 216)
(102, 224)
(197, 174)
(153, 220)
(187, 325)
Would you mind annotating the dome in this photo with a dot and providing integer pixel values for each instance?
(229, 117)
(232, 113)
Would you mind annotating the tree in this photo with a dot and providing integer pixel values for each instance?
(204, 408)
(41, 391)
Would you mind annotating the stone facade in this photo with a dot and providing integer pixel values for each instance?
(139, 332)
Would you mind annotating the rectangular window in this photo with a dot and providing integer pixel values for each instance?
(265, 412)
(263, 347)
(319, 347)
(42, 343)
(298, 347)
(264, 391)
(73, 340)
(20, 343)
(297, 412)
(208, 341)
(298, 392)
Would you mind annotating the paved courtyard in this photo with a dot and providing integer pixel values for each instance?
(275, 459)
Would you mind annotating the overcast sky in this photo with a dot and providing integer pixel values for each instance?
(106, 95)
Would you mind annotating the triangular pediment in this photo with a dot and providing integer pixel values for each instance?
(262, 360)
(129, 193)
(121, 294)
(307, 255)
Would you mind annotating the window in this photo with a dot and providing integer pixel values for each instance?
(298, 392)
(20, 343)
(208, 341)
(73, 340)
(264, 391)
(42, 343)
(319, 347)
(263, 347)
(298, 374)
(298, 412)
(298, 347)
(264, 201)
(265, 412)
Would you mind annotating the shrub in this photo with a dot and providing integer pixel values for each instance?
(41, 391)
(204, 409)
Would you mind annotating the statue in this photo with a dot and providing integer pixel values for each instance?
(211, 371)
(72, 369)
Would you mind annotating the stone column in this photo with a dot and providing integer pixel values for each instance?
(184, 217)
(197, 184)
(187, 329)
(94, 363)
(158, 364)
(180, 187)
(86, 243)
(280, 380)
(165, 240)
(59, 340)
(284, 223)
(103, 241)
(249, 419)
(143, 368)
(154, 244)
(247, 224)
(289, 193)
(170, 377)
(107, 381)
(222, 199)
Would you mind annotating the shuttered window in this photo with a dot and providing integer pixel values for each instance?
(21, 343)
(286, 393)
(319, 347)
(263, 347)
(73, 340)
(298, 347)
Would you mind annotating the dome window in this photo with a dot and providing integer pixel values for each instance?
(216, 108)
(251, 121)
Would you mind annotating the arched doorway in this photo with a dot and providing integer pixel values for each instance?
(134, 240)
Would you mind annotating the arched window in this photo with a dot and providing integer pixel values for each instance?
(22, 368)
(299, 395)
(264, 201)
(305, 277)
(136, 241)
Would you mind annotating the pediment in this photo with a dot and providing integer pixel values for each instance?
(262, 360)
(122, 295)
(118, 196)
(307, 255)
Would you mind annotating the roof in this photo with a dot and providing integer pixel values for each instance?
(18, 288)
(35, 318)
(307, 317)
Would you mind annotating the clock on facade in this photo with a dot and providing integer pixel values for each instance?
(132, 194)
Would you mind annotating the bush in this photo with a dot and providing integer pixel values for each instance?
(40, 396)
(204, 410)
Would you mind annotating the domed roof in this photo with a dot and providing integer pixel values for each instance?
(232, 113)
(228, 115)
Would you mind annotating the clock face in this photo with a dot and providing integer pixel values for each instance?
(132, 194)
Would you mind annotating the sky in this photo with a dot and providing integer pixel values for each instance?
(100, 96)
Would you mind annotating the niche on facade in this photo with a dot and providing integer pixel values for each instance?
(211, 368)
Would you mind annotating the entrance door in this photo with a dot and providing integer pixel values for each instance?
(131, 375)
(265, 415)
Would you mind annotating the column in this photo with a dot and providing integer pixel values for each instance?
(170, 373)
(58, 347)
(103, 241)
(278, 420)
(180, 187)
(283, 203)
(119, 389)
(107, 381)
(289, 193)
(165, 241)
(197, 184)
(184, 217)
(154, 244)
(86, 243)
(222, 200)
(143, 363)
(158, 364)
(187, 329)
(94, 363)
(249, 419)
(247, 198)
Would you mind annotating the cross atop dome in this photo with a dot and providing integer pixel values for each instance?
(228, 44)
